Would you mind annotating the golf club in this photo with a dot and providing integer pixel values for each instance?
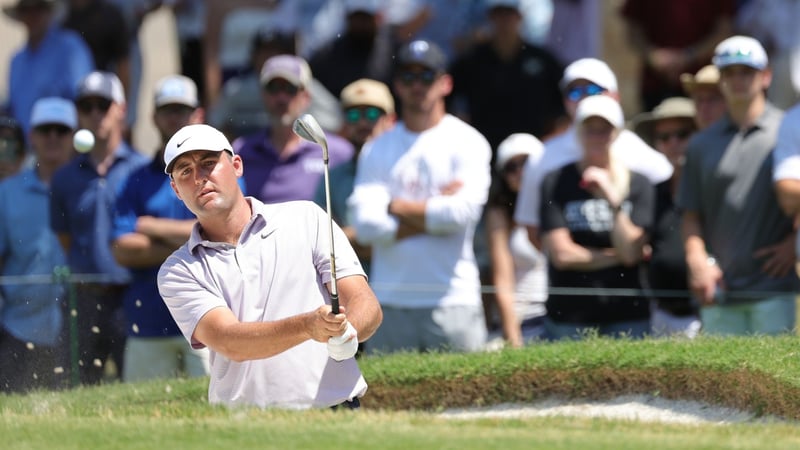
(307, 127)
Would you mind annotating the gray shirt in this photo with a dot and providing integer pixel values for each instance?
(727, 180)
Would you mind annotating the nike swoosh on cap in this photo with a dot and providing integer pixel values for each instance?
(183, 142)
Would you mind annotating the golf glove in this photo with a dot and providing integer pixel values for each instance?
(344, 346)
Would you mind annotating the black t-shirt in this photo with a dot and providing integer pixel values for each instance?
(667, 267)
(589, 220)
(505, 97)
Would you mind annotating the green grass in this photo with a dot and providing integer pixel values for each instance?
(761, 375)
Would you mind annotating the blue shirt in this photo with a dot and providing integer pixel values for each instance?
(82, 205)
(28, 247)
(52, 69)
(272, 179)
(147, 192)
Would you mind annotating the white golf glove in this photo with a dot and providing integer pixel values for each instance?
(344, 346)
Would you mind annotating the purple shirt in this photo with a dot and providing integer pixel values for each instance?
(272, 180)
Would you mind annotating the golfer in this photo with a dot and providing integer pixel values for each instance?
(251, 285)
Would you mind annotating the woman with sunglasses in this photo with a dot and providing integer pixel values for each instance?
(595, 214)
(519, 270)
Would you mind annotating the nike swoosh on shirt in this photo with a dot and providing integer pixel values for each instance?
(266, 234)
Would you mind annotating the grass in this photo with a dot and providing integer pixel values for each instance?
(761, 375)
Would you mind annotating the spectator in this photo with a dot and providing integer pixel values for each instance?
(703, 89)
(419, 192)
(576, 30)
(240, 109)
(51, 63)
(368, 108)
(281, 166)
(582, 78)
(365, 49)
(149, 224)
(262, 307)
(81, 212)
(190, 24)
(595, 217)
(672, 38)
(774, 24)
(103, 27)
(453, 25)
(668, 128)
(31, 318)
(12, 146)
(730, 210)
(507, 85)
(519, 270)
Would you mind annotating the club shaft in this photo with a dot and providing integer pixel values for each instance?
(334, 290)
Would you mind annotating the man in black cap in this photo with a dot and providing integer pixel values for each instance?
(419, 192)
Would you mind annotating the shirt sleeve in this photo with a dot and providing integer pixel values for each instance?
(450, 213)
(688, 198)
(125, 215)
(526, 212)
(551, 211)
(642, 197)
(369, 202)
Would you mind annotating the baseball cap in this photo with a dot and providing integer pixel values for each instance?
(194, 137)
(101, 84)
(670, 108)
(293, 69)
(590, 69)
(49, 110)
(13, 11)
(600, 106)
(366, 92)
(176, 89)
(706, 76)
(424, 53)
(742, 50)
(517, 144)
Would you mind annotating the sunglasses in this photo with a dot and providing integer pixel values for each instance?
(60, 130)
(276, 87)
(514, 166)
(370, 114)
(426, 77)
(579, 92)
(87, 105)
(10, 149)
(681, 134)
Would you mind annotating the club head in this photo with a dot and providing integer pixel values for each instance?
(307, 127)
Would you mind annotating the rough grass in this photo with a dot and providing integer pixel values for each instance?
(759, 375)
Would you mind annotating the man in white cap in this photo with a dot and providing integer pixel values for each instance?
(149, 224)
(739, 244)
(31, 319)
(583, 78)
(82, 208)
(252, 284)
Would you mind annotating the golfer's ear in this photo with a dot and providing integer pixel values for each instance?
(174, 188)
(238, 165)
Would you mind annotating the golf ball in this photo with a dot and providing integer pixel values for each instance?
(83, 140)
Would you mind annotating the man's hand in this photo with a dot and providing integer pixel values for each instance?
(704, 277)
(779, 259)
(323, 324)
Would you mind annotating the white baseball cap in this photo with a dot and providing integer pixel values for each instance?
(54, 110)
(600, 106)
(590, 69)
(517, 144)
(742, 50)
(176, 89)
(102, 84)
(194, 137)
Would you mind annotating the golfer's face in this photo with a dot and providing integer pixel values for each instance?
(206, 180)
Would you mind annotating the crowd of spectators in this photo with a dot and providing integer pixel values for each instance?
(481, 166)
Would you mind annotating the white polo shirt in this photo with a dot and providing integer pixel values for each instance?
(564, 149)
(277, 270)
